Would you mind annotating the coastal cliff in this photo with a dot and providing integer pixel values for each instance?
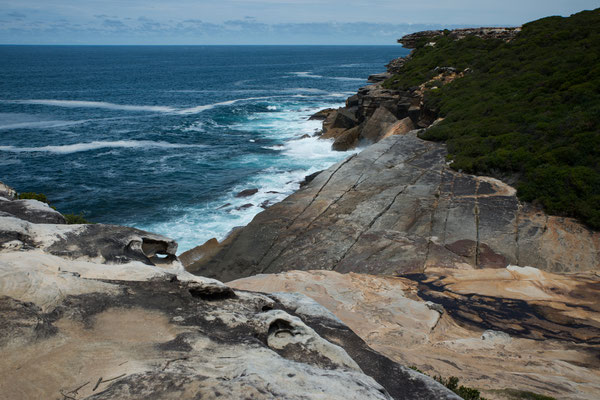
(477, 268)
(390, 262)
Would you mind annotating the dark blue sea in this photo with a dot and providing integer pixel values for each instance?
(161, 138)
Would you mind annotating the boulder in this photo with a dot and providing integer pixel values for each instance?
(321, 115)
(338, 121)
(401, 127)
(247, 193)
(352, 101)
(376, 126)
(347, 140)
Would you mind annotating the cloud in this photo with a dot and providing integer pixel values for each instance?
(252, 21)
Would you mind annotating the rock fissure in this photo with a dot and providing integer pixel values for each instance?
(274, 242)
(364, 173)
(374, 220)
(450, 204)
(436, 203)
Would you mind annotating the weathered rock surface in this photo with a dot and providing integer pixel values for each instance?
(7, 192)
(108, 312)
(397, 208)
(31, 210)
(483, 326)
(374, 78)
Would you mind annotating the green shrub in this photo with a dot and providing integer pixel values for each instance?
(529, 108)
(76, 219)
(34, 196)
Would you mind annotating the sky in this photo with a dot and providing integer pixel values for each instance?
(257, 21)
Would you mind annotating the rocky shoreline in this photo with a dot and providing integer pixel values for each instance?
(387, 260)
(108, 312)
(396, 210)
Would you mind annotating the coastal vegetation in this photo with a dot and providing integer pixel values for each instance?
(527, 110)
(69, 218)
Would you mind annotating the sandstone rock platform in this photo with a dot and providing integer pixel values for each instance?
(495, 329)
(398, 208)
(108, 312)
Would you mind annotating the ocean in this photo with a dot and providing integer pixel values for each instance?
(162, 138)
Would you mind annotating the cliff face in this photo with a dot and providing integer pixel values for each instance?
(108, 312)
(397, 208)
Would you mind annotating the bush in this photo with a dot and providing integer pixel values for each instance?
(34, 196)
(529, 108)
(76, 219)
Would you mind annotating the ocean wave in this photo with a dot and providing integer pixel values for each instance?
(79, 147)
(92, 104)
(42, 124)
(199, 109)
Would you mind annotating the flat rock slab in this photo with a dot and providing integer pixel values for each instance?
(517, 328)
(397, 208)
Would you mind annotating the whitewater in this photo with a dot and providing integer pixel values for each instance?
(164, 138)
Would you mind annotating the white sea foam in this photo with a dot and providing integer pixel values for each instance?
(293, 159)
(78, 147)
(92, 104)
(305, 74)
(42, 124)
(344, 78)
(198, 109)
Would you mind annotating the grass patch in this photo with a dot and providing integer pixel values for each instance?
(529, 109)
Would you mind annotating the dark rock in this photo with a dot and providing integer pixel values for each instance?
(379, 77)
(244, 206)
(247, 193)
(32, 211)
(352, 101)
(321, 115)
(224, 206)
(344, 118)
(309, 178)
